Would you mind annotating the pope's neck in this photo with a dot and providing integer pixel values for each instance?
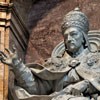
(76, 52)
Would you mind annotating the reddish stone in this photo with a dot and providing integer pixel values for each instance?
(45, 21)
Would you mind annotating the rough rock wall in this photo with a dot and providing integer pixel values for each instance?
(45, 20)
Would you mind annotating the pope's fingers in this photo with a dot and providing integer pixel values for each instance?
(3, 54)
(4, 61)
(8, 51)
(14, 48)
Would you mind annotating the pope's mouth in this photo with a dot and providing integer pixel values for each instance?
(71, 44)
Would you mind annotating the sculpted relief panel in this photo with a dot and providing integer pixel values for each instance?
(72, 72)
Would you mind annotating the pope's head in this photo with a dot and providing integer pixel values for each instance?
(75, 29)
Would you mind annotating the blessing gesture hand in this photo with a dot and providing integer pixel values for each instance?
(10, 58)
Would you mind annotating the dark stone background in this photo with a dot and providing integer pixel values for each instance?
(44, 22)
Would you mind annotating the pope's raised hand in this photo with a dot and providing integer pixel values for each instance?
(10, 58)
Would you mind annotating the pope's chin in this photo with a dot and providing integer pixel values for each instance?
(71, 48)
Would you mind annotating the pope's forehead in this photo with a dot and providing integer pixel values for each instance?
(71, 29)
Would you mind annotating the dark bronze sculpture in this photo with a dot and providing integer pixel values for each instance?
(72, 72)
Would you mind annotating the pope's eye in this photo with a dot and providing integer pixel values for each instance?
(73, 34)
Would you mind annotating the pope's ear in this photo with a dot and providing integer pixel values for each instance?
(83, 40)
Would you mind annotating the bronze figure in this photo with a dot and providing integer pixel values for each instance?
(72, 72)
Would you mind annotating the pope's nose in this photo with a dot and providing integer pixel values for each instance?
(70, 38)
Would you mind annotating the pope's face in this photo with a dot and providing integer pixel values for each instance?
(73, 39)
